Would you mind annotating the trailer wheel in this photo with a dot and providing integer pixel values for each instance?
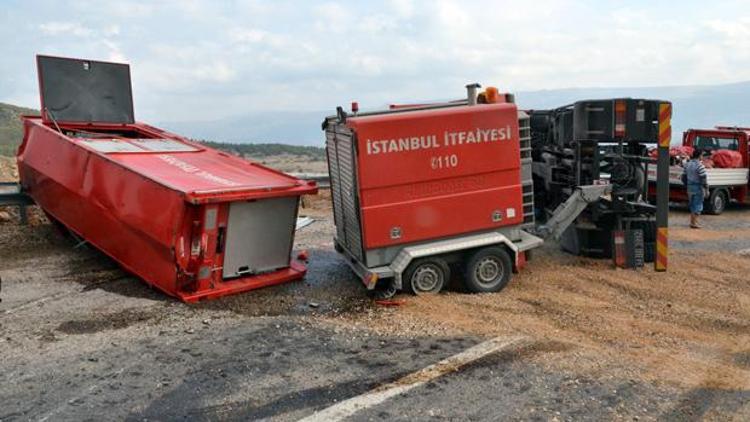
(488, 270)
(385, 289)
(717, 202)
(426, 276)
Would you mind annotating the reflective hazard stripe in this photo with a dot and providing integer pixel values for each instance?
(665, 124)
(662, 248)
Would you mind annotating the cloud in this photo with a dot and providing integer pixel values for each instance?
(333, 17)
(115, 53)
(65, 28)
(202, 59)
(248, 35)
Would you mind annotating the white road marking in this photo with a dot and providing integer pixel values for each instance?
(349, 407)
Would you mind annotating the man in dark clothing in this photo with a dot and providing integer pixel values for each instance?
(697, 186)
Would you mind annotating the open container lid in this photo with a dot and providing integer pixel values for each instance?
(84, 91)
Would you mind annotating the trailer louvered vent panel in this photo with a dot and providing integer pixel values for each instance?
(342, 162)
(333, 170)
(527, 182)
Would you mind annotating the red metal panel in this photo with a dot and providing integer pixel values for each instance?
(206, 172)
(437, 173)
(144, 211)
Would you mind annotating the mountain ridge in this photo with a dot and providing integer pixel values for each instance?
(695, 106)
(11, 128)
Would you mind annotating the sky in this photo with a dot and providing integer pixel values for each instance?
(194, 60)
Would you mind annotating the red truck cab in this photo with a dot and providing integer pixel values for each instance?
(725, 184)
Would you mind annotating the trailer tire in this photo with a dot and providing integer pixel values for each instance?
(488, 270)
(426, 276)
(717, 202)
(384, 290)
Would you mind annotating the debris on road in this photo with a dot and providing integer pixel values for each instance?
(391, 302)
(303, 222)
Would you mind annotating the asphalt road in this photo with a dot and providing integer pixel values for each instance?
(82, 340)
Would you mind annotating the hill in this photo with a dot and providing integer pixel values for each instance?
(11, 134)
(694, 106)
(11, 128)
(260, 151)
(282, 157)
(698, 106)
(286, 127)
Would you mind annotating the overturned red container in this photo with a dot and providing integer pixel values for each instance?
(192, 221)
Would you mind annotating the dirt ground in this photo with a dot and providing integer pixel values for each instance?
(680, 339)
(689, 326)
(8, 172)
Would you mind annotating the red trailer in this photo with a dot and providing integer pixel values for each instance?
(724, 184)
(192, 221)
(420, 189)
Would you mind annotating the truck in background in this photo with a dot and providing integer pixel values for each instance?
(725, 184)
(599, 141)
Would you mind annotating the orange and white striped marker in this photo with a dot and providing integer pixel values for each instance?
(665, 124)
(662, 248)
(662, 232)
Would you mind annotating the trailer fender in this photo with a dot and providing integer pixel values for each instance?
(409, 253)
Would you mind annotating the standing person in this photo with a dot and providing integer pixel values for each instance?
(695, 179)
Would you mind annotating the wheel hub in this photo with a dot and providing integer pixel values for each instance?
(719, 203)
(488, 270)
(426, 278)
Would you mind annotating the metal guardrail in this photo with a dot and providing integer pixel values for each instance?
(12, 195)
(321, 179)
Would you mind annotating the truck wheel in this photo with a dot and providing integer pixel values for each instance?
(426, 275)
(717, 202)
(488, 270)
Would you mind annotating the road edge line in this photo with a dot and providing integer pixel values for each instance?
(349, 407)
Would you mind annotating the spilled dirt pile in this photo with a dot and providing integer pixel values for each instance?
(689, 326)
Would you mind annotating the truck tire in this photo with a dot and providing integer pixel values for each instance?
(717, 202)
(649, 241)
(426, 276)
(488, 270)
